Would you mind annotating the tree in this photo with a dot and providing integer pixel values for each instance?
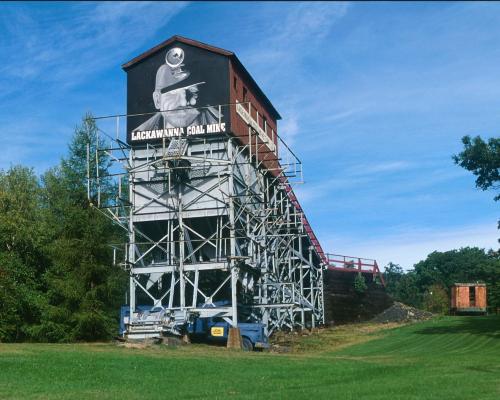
(82, 160)
(392, 276)
(57, 281)
(360, 283)
(483, 160)
(469, 264)
(84, 290)
(22, 261)
(20, 231)
(436, 299)
(407, 290)
(402, 286)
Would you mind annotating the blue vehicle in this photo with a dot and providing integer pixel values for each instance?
(207, 329)
(252, 334)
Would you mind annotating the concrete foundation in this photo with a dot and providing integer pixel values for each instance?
(234, 339)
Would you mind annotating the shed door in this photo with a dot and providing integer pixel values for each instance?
(463, 297)
(481, 297)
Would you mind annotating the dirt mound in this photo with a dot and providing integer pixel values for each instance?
(400, 312)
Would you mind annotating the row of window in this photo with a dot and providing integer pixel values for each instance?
(245, 94)
(235, 86)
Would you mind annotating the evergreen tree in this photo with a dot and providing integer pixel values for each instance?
(360, 284)
(83, 288)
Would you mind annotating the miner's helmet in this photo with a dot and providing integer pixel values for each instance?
(170, 76)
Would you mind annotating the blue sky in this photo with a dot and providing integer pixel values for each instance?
(374, 97)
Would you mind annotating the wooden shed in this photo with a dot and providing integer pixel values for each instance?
(468, 298)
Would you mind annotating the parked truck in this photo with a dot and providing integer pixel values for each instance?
(210, 329)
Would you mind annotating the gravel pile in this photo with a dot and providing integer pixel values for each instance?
(400, 312)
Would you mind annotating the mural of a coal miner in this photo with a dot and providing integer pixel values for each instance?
(175, 96)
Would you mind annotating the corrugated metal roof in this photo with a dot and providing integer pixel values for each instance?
(469, 284)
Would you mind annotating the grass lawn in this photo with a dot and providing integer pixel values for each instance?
(446, 358)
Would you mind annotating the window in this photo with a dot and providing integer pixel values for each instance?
(472, 296)
(235, 84)
(244, 94)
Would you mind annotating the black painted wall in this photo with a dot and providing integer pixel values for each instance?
(202, 65)
(343, 304)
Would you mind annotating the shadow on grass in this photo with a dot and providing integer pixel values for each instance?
(484, 326)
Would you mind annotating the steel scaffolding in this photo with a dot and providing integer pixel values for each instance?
(212, 232)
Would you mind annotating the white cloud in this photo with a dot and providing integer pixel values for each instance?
(410, 245)
(378, 168)
(65, 49)
(34, 148)
(289, 130)
(372, 177)
(56, 48)
(306, 193)
(342, 115)
(303, 27)
(310, 21)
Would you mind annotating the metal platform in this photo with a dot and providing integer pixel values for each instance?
(207, 224)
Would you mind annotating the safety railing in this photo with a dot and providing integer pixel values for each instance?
(343, 263)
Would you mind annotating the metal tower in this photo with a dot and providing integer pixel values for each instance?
(212, 232)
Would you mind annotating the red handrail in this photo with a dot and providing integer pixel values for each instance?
(307, 227)
(354, 264)
(332, 261)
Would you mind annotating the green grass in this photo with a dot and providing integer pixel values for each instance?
(447, 358)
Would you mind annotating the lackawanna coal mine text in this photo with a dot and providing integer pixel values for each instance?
(171, 132)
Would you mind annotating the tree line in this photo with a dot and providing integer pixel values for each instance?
(428, 284)
(57, 279)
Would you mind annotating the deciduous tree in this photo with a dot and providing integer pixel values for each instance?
(22, 260)
(482, 158)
